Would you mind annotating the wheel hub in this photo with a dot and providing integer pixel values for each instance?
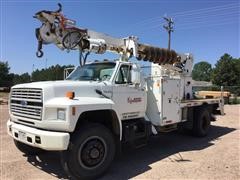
(92, 152)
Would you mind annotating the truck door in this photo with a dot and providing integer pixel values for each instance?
(129, 98)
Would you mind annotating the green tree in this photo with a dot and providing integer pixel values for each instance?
(226, 71)
(5, 77)
(23, 78)
(236, 63)
(49, 74)
(202, 71)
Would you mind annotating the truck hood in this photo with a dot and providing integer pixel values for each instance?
(60, 88)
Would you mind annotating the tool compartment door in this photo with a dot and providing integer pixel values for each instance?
(170, 101)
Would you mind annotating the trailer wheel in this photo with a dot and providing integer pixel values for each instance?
(201, 122)
(90, 153)
(26, 149)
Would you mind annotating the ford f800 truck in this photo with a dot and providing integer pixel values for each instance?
(103, 104)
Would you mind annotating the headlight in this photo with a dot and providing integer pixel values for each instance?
(61, 114)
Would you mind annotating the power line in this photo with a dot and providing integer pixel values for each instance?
(206, 25)
(207, 16)
(193, 21)
(205, 10)
(195, 24)
(152, 27)
(192, 12)
(200, 19)
(206, 22)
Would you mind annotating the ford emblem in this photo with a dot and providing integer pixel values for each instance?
(23, 103)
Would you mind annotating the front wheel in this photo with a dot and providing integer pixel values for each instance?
(91, 151)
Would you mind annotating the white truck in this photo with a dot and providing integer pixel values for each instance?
(103, 104)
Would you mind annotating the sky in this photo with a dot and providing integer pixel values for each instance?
(205, 28)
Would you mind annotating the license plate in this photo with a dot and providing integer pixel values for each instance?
(22, 136)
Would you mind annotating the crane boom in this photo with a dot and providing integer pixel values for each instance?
(58, 30)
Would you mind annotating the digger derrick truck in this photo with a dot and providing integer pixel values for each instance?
(103, 104)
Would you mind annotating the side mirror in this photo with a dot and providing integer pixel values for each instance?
(135, 75)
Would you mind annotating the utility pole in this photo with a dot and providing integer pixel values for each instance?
(169, 29)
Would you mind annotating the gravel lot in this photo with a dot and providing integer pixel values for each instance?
(169, 156)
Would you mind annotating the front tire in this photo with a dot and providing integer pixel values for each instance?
(26, 149)
(91, 151)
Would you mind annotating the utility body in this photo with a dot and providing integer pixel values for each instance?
(103, 104)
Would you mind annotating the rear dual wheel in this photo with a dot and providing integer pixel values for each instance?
(201, 122)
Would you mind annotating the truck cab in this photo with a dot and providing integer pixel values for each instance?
(48, 115)
(98, 86)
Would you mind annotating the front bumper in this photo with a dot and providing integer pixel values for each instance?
(47, 140)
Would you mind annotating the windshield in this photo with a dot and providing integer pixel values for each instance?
(93, 72)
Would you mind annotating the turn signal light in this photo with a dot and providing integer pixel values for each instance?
(70, 94)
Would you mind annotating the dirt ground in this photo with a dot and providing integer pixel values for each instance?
(169, 156)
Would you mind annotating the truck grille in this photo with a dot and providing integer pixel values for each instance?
(26, 103)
